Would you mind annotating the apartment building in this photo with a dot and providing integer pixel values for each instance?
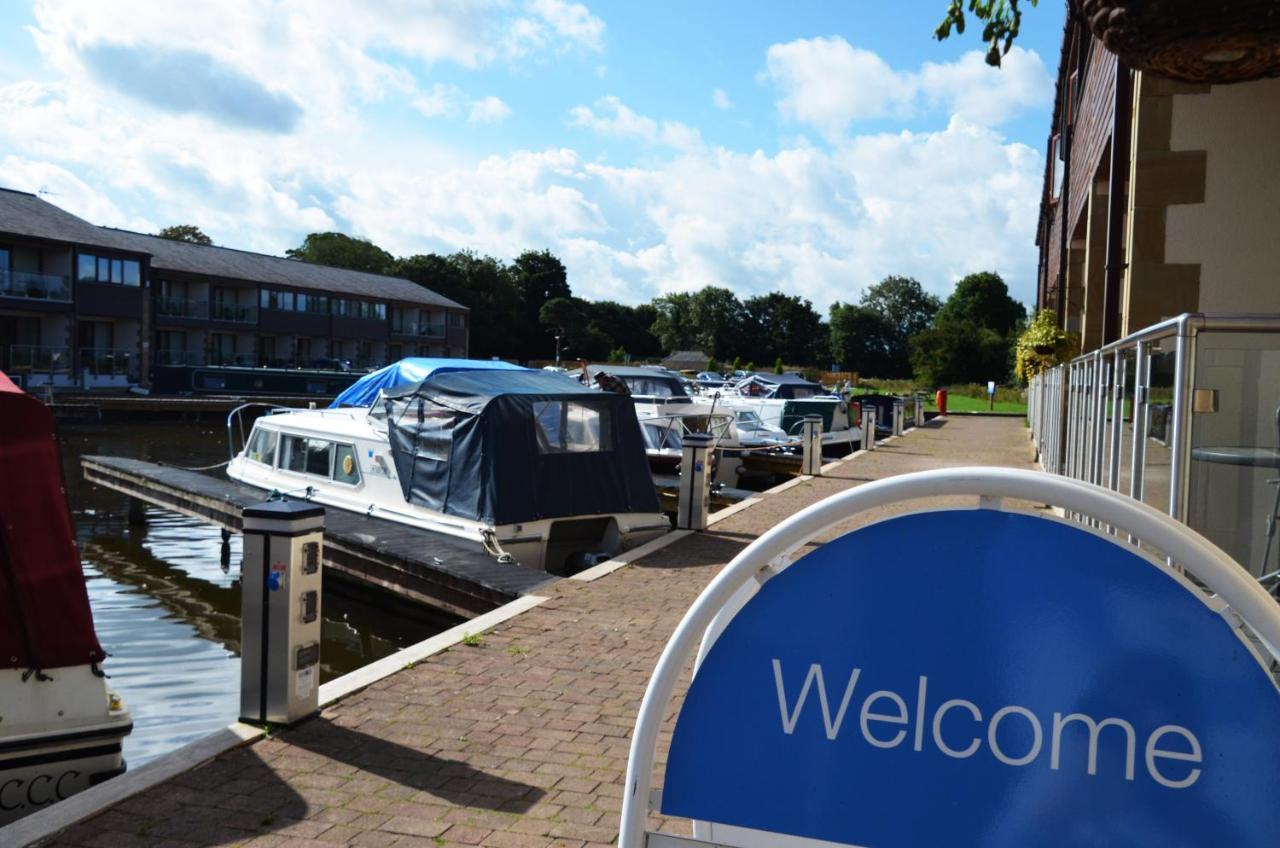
(93, 307)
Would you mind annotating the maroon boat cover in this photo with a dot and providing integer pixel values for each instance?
(45, 620)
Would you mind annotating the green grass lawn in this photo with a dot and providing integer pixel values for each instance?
(960, 403)
(964, 403)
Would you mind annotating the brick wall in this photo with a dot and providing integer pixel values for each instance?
(1093, 125)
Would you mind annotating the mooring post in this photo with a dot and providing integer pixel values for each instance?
(137, 512)
(868, 427)
(899, 412)
(811, 441)
(280, 612)
(919, 411)
(695, 482)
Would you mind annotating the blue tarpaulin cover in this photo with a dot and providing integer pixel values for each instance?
(407, 372)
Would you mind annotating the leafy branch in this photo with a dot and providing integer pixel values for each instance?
(1002, 20)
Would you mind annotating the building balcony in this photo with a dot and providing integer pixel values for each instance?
(39, 358)
(239, 360)
(101, 362)
(178, 357)
(181, 307)
(31, 286)
(235, 312)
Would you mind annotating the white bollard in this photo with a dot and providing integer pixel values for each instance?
(868, 428)
(280, 612)
(811, 444)
(695, 482)
(899, 413)
(919, 422)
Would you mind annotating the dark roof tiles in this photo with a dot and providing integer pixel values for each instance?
(28, 215)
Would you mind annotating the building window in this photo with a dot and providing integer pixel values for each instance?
(300, 302)
(457, 319)
(104, 269)
(272, 299)
(317, 303)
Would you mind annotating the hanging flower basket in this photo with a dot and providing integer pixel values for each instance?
(1199, 41)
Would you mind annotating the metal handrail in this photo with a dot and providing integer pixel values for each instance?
(235, 419)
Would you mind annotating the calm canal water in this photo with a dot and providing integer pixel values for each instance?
(167, 605)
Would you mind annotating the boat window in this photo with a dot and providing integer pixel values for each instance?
(570, 427)
(262, 446)
(654, 387)
(661, 437)
(746, 416)
(345, 467)
(309, 456)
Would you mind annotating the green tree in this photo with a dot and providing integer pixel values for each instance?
(185, 232)
(435, 272)
(538, 277)
(777, 365)
(862, 340)
(1001, 19)
(782, 325)
(625, 326)
(719, 320)
(487, 289)
(983, 298)
(342, 251)
(617, 355)
(673, 323)
(959, 351)
(906, 309)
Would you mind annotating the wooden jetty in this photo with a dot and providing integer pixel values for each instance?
(448, 574)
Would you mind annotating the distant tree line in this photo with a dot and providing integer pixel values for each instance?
(895, 330)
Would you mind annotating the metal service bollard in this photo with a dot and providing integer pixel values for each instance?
(899, 413)
(695, 482)
(919, 422)
(280, 612)
(811, 444)
(868, 427)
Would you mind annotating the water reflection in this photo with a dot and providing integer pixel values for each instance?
(167, 605)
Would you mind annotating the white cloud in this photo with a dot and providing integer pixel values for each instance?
(611, 117)
(973, 90)
(488, 110)
(819, 220)
(439, 101)
(572, 21)
(830, 85)
(720, 99)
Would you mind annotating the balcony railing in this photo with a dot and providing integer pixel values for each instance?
(435, 331)
(181, 307)
(102, 362)
(1184, 415)
(38, 358)
(240, 313)
(178, 357)
(32, 286)
(240, 360)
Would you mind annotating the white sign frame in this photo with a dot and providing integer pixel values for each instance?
(1130, 518)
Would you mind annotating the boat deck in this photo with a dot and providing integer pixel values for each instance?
(447, 573)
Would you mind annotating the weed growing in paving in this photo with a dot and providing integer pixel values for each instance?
(472, 640)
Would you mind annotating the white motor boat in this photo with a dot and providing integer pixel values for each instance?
(667, 411)
(530, 465)
(61, 726)
(785, 400)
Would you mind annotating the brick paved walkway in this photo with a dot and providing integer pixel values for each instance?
(521, 740)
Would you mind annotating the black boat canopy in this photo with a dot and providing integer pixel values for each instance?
(510, 446)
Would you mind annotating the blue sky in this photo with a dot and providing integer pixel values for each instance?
(808, 147)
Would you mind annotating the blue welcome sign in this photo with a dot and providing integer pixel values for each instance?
(1016, 681)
